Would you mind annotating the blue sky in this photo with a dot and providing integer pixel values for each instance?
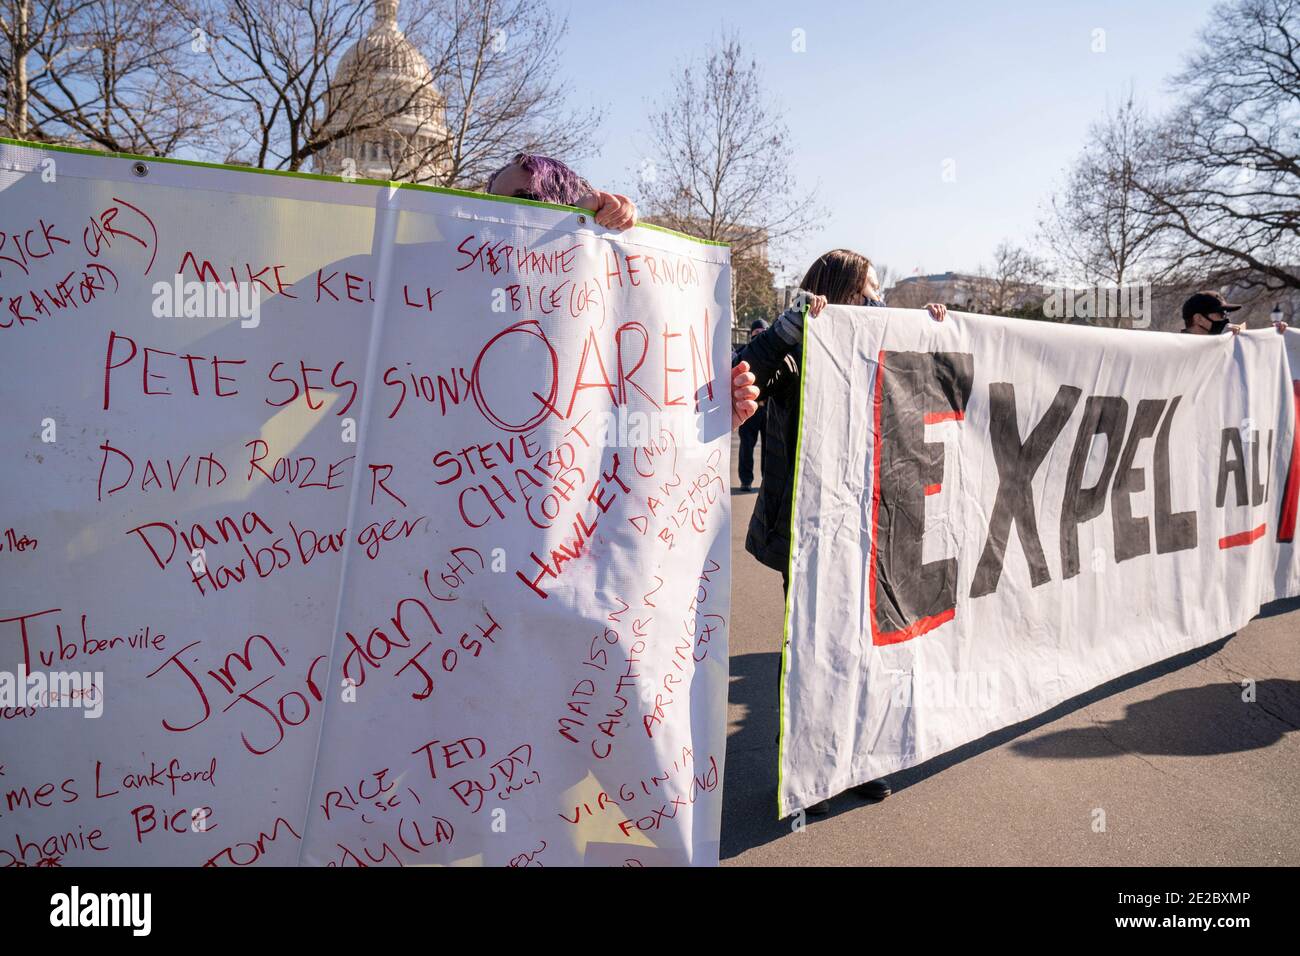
(886, 92)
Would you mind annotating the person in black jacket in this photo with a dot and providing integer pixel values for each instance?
(750, 431)
(840, 277)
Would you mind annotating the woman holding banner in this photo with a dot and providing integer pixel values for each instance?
(840, 277)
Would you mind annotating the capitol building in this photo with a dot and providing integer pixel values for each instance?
(384, 84)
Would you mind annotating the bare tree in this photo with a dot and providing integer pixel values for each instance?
(300, 77)
(1003, 286)
(1227, 184)
(753, 288)
(20, 35)
(270, 67)
(720, 167)
(24, 26)
(504, 94)
(107, 73)
(887, 275)
(1100, 226)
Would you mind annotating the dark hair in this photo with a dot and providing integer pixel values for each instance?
(839, 275)
(549, 180)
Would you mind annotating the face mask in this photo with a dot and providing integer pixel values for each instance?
(1216, 328)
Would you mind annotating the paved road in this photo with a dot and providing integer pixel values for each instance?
(1185, 771)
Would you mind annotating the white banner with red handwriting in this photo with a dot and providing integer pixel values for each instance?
(346, 524)
(994, 515)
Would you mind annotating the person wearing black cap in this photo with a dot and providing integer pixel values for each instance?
(1206, 313)
(752, 430)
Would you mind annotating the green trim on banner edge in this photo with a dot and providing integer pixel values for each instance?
(295, 174)
(794, 497)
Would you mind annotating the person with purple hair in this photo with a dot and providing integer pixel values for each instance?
(542, 179)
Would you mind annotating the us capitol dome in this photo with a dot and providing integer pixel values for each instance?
(384, 80)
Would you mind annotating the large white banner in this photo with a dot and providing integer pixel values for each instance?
(353, 525)
(994, 515)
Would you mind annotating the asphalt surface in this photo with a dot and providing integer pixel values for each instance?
(1185, 772)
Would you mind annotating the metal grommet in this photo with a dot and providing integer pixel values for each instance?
(582, 219)
(140, 169)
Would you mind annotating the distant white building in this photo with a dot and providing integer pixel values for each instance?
(961, 290)
(951, 288)
(386, 83)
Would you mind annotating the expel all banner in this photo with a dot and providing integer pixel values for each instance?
(994, 515)
(348, 524)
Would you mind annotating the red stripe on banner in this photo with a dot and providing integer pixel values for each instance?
(932, 490)
(912, 630)
(877, 400)
(934, 418)
(925, 624)
(1291, 496)
(1242, 537)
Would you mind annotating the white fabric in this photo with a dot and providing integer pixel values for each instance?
(626, 654)
(856, 706)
